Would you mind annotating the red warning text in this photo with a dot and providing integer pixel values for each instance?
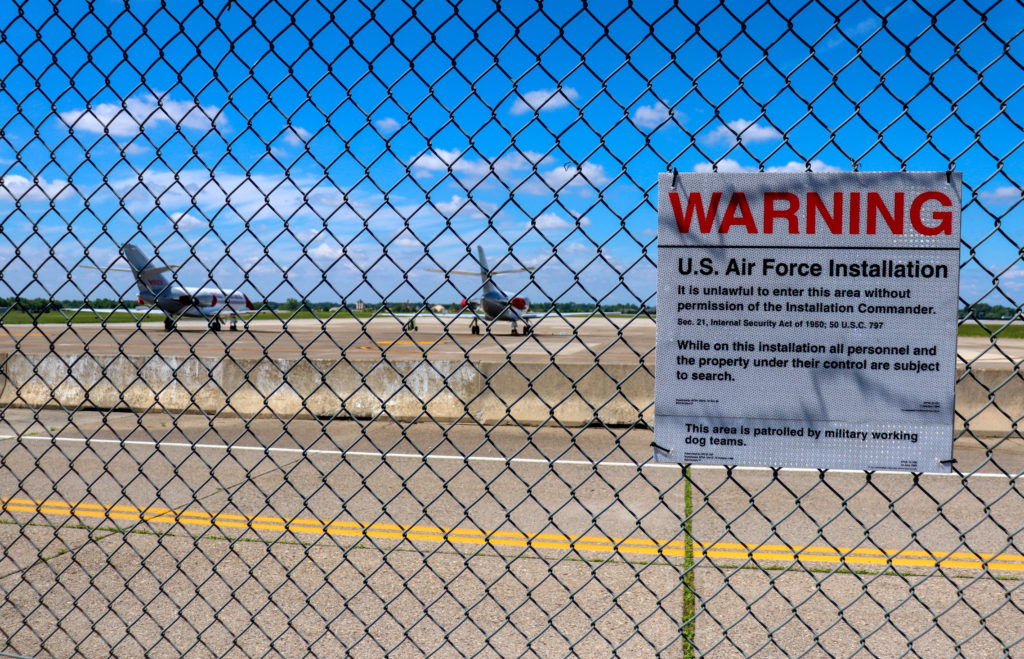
(929, 213)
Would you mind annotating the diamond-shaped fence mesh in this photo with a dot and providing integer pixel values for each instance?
(255, 400)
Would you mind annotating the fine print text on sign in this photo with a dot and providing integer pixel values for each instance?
(807, 320)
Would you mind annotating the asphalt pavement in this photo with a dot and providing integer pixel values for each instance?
(571, 339)
(155, 533)
(470, 533)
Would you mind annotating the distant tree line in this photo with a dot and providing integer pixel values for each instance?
(295, 304)
(981, 310)
(38, 305)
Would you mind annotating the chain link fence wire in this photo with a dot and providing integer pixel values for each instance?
(283, 434)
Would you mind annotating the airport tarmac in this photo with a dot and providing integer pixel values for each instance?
(569, 339)
(570, 529)
(301, 524)
(616, 339)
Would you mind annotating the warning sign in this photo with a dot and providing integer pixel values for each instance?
(807, 320)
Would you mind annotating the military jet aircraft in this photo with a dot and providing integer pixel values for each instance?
(493, 303)
(158, 291)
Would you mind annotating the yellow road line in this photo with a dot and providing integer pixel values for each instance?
(644, 546)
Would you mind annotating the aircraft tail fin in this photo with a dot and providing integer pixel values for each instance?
(485, 272)
(148, 276)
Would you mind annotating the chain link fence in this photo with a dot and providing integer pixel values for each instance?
(261, 393)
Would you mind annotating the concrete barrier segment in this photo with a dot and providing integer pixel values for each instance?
(989, 400)
(487, 392)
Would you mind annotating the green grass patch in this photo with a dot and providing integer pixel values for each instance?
(89, 317)
(258, 541)
(972, 328)
(65, 317)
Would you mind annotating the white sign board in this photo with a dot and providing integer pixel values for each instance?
(807, 320)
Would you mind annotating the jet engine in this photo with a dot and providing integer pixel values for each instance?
(521, 304)
(205, 299)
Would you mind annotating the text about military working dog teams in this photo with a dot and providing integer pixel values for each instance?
(795, 331)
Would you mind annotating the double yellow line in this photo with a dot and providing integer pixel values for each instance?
(848, 557)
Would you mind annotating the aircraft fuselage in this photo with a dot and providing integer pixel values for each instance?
(496, 306)
(177, 300)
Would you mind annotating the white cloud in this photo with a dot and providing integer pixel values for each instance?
(1004, 194)
(549, 221)
(460, 206)
(144, 111)
(15, 187)
(742, 130)
(253, 197)
(387, 125)
(406, 238)
(729, 165)
(358, 259)
(587, 176)
(440, 160)
(552, 221)
(135, 149)
(863, 27)
(584, 221)
(186, 222)
(651, 116)
(306, 235)
(543, 100)
(858, 29)
(724, 165)
(1013, 279)
(297, 136)
(326, 252)
(575, 248)
(794, 166)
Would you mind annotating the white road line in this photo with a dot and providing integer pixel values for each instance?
(458, 458)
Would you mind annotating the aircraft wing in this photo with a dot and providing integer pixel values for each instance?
(210, 312)
(144, 311)
(480, 314)
(565, 314)
(429, 314)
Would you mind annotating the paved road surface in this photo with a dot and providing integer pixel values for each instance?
(563, 524)
(571, 339)
(267, 534)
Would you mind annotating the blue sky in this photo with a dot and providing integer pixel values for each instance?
(341, 155)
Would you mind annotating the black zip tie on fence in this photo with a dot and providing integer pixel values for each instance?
(656, 445)
(950, 462)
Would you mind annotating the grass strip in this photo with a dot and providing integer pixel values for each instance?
(689, 573)
(971, 328)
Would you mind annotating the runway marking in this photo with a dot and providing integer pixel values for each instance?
(644, 546)
(466, 458)
(406, 342)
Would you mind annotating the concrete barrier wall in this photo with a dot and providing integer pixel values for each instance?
(990, 400)
(488, 392)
